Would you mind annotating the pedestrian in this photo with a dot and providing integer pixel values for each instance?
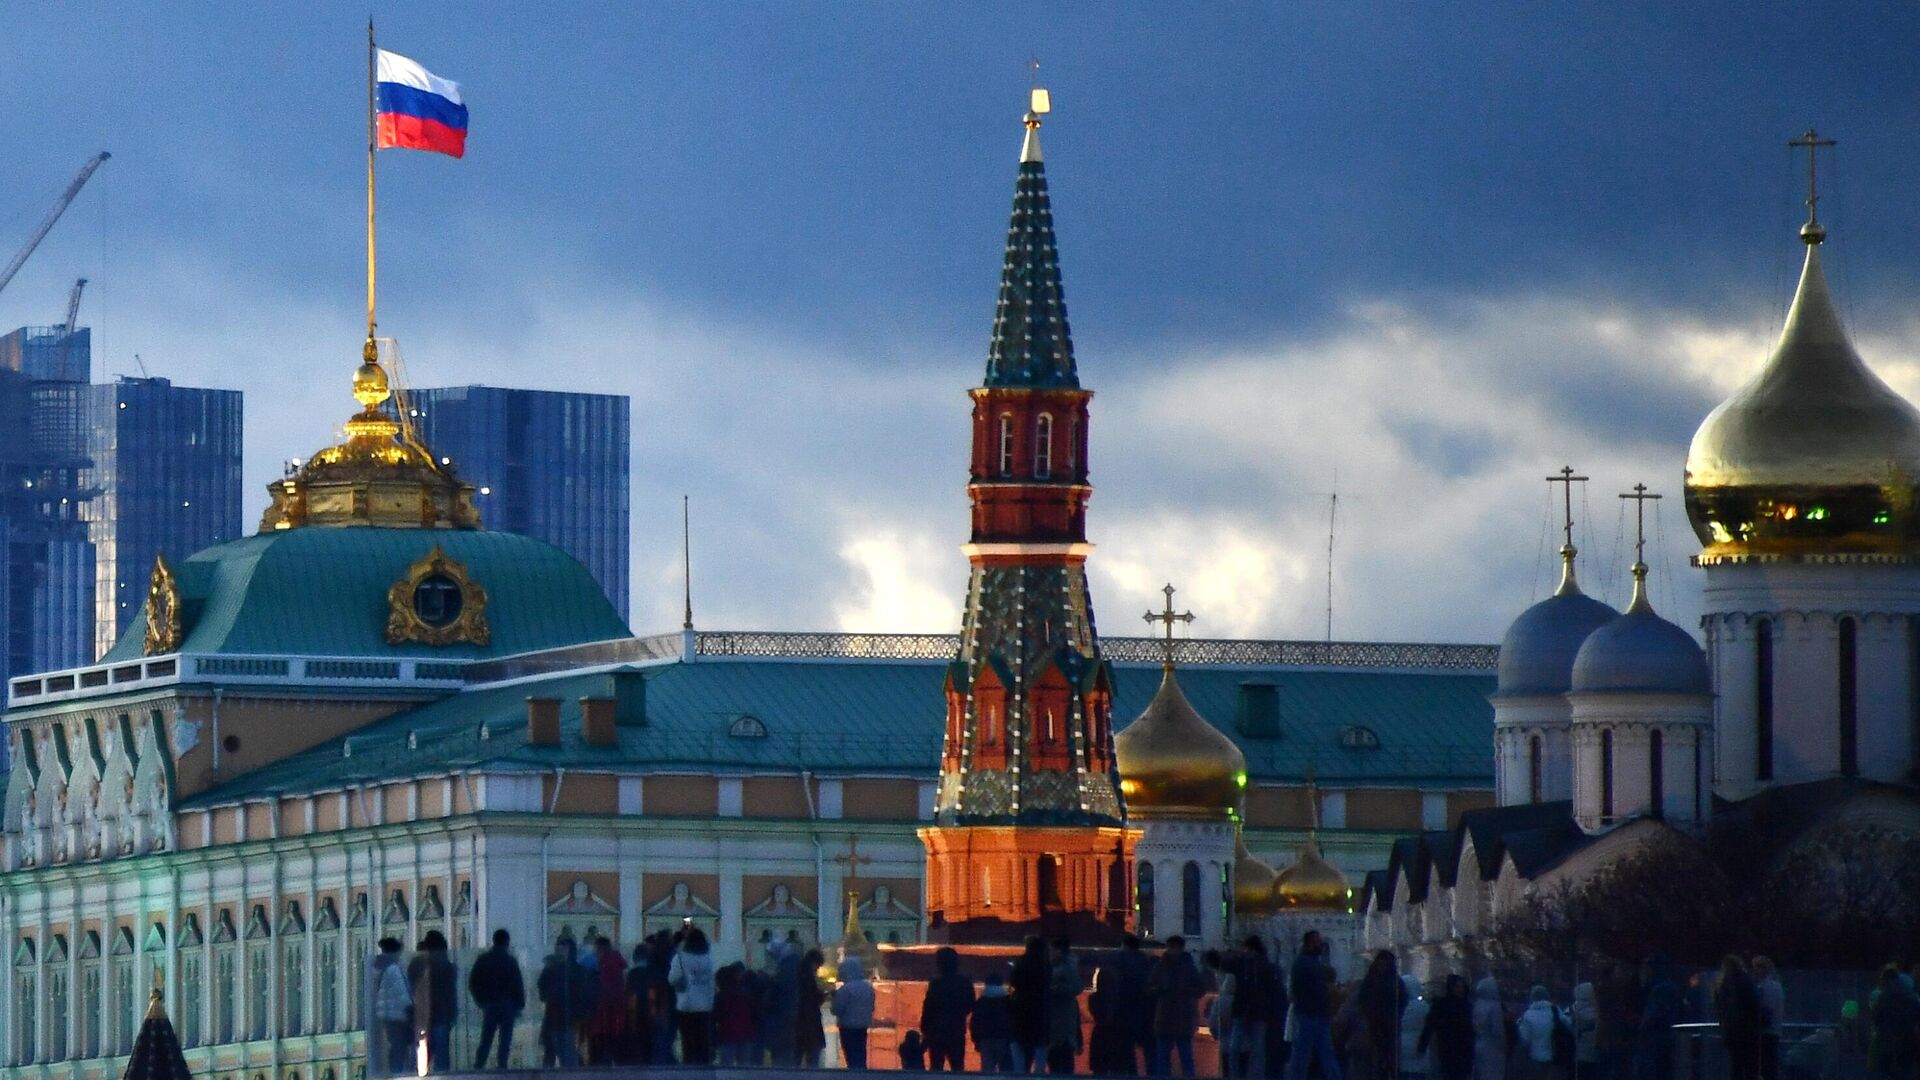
(564, 995)
(1064, 984)
(1660, 1009)
(436, 1002)
(1220, 1009)
(992, 1025)
(1413, 1061)
(608, 1025)
(1027, 993)
(1893, 1012)
(1383, 998)
(1310, 985)
(638, 994)
(1489, 1031)
(1584, 1018)
(691, 976)
(780, 1004)
(1449, 1031)
(500, 995)
(1108, 1046)
(733, 1016)
(1773, 1008)
(943, 1013)
(809, 1029)
(853, 1010)
(392, 1009)
(913, 1053)
(1736, 1006)
(1255, 982)
(1536, 1028)
(666, 1018)
(1174, 986)
(1125, 974)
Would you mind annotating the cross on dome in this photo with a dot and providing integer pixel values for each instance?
(1640, 496)
(1812, 232)
(1167, 618)
(1567, 550)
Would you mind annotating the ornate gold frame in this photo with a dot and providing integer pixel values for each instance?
(404, 624)
(164, 631)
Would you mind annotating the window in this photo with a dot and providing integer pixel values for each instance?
(123, 985)
(1190, 899)
(747, 727)
(293, 971)
(226, 979)
(1143, 897)
(259, 973)
(1657, 775)
(89, 995)
(192, 983)
(1073, 445)
(1763, 699)
(1533, 769)
(1006, 444)
(26, 1000)
(1606, 777)
(1043, 446)
(58, 999)
(1358, 737)
(1849, 698)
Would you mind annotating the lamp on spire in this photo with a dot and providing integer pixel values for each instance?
(1039, 104)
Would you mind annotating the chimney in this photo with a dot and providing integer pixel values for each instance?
(597, 721)
(543, 721)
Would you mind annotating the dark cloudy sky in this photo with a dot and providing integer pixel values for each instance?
(1423, 253)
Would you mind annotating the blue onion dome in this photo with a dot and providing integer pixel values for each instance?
(1536, 657)
(1641, 653)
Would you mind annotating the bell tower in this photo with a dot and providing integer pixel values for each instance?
(1029, 832)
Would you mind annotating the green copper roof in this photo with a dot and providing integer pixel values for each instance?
(323, 592)
(850, 716)
(1031, 343)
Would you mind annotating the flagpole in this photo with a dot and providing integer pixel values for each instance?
(370, 352)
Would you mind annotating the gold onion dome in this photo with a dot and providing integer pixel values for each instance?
(1816, 455)
(1172, 762)
(1253, 881)
(1311, 883)
(379, 476)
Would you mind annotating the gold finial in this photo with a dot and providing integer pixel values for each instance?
(1168, 617)
(1812, 232)
(1567, 551)
(1039, 104)
(1640, 496)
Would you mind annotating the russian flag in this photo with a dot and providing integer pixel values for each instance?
(418, 110)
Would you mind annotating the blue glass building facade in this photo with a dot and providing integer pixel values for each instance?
(551, 465)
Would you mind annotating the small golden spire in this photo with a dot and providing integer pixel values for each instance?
(1039, 104)
(1640, 496)
(1568, 586)
(1812, 232)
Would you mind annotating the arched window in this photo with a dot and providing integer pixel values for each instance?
(1073, 445)
(1606, 777)
(1534, 785)
(1359, 737)
(1006, 444)
(1657, 774)
(1043, 446)
(1190, 899)
(1849, 698)
(1763, 700)
(1143, 897)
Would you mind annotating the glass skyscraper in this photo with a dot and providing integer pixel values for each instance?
(164, 477)
(551, 465)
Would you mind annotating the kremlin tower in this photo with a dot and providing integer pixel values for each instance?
(1029, 830)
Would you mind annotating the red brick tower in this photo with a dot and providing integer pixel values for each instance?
(1030, 833)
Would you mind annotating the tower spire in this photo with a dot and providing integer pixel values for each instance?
(1812, 232)
(1640, 496)
(1031, 345)
(1568, 586)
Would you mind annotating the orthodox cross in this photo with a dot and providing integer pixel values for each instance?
(1639, 495)
(853, 860)
(1812, 142)
(1566, 477)
(1168, 618)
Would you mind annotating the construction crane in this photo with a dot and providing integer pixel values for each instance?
(46, 224)
(66, 329)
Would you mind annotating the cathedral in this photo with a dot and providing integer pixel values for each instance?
(1790, 737)
(377, 717)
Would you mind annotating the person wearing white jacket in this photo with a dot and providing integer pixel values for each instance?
(853, 1010)
(1536, 1029)
(1489, 1032)
(691, 976)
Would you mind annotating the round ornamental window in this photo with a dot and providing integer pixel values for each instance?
(437, 600)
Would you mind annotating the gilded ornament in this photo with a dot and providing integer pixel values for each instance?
(437, 602)
(163, 610)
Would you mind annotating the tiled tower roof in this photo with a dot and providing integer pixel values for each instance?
(1031, 345)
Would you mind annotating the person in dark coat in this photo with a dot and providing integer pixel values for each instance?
(1109, 1047)
(780, 1003)
(1311, 986)
(1449, 1030)
(1028, 1007)
(436, 999)
(1255, 982)
(943, 1013)
(566, 996)
(1736, 1005)
(992, 1026)
(809, 1030)
(1125, 974)
(500, 995)
(1383, 998)
(1175, 987)
(639, 998)
(1660, 1009)
(1893, 1012)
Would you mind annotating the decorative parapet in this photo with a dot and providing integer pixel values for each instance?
(1227, 652)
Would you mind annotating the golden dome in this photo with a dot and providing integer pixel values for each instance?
(1173, 763)
(1816, 455)
(1311, 883)
(1253, 881)
(379, 476)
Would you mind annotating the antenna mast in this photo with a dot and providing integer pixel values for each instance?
(1333, 507)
